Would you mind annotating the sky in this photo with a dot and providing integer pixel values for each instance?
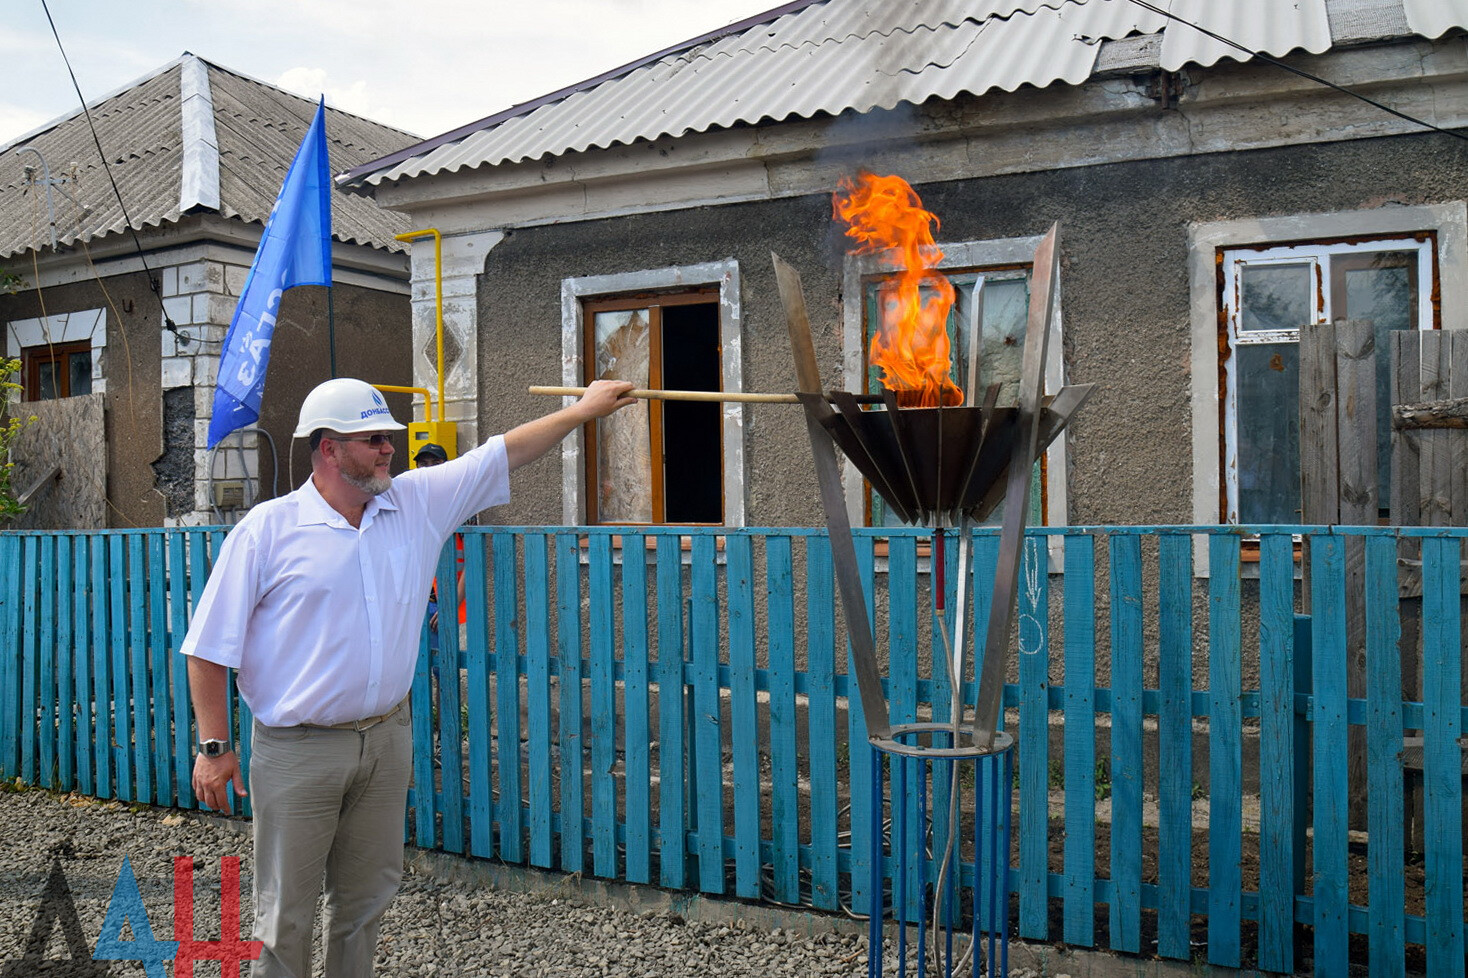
(426, 66)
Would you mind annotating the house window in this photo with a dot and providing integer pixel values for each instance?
(675, 328)
(1004, 314)
(1253, 282)
(1268, 293)
(61, 355)
(63, 370)
(657, 461)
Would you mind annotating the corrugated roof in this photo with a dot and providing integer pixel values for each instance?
(189, 137)
(835, 56)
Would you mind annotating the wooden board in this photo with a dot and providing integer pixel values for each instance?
(67, 432)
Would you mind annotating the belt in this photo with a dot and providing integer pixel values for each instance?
(367, 723)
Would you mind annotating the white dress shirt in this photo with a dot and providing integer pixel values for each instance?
(321, 619)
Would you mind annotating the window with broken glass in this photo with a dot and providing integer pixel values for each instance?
(1268, 294)
(1004, 311)
(57, 370)
(656, 461)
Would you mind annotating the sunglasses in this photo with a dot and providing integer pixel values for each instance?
(376, 441)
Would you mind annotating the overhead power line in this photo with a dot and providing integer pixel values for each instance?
(168, 323)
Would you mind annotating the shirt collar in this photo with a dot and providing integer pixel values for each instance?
(313, 507)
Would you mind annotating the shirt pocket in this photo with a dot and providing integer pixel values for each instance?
(403, 574)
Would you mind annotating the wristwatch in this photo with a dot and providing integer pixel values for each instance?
(214, 748)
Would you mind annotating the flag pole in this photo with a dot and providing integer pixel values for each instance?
(331, 328)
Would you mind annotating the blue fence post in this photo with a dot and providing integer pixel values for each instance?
(1225, 751)
(636, 712)
(1079, 889)
(1328, 669)
(1442, 752)
(1277, 775)
(1126, 742)
(1175, 745)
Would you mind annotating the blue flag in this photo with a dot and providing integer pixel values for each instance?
(294, 250)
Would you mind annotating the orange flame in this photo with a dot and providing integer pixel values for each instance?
(884, 216)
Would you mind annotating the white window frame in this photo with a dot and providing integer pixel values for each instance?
(1317, 256)
(65, 327)
(1205, 243)
(964, 255)
(725, 275)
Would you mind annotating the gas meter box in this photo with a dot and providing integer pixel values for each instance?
(421, 433)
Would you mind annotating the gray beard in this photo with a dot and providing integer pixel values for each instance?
(373, 486)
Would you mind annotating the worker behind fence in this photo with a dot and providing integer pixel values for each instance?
(316, 601)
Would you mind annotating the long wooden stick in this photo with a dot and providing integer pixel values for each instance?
(746, 396)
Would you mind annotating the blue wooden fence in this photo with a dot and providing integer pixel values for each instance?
(670, 707)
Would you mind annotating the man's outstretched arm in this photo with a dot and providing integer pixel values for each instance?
(531, 440)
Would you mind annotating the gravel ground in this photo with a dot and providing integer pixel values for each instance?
(434, 927)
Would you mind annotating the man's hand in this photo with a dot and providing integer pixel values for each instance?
(605, 396)
(533, 439)
(212, 779)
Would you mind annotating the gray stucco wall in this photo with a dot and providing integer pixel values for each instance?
(1124, 281)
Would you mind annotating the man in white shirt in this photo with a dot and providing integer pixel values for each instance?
(316, 601)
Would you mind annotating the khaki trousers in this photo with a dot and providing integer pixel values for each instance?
(327, 804)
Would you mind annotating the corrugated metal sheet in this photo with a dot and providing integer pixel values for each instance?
(835, 56)
(1434, 18)
(258, 129)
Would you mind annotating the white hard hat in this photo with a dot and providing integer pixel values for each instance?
(345, 405)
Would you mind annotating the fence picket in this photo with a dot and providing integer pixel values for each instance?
(162, 713)
(673, 784)
(822, 735)
(784, 759)
(703, 643)
(65, 668)
(30, 666)
(477, 679)
(102, 690)
(743, 716)
(537, 697)
(1383, 761)
(1034, 734)
(568, 665)
(1126, 743)
(450, 717)
(1276, 752)
(47, 653)
(1225, 752)
(600, 635)
(636, 732)
(11, 606)
(1442, 754)
(902, 697)
(1079, 889)
(1328, 667)
(861, 759)
(178, 666)
(122, 689)
(82, 676)
(1174, 745)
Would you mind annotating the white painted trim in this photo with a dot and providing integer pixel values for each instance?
(1205, 240)
(967, 255)
(723, 273)
(199, 179)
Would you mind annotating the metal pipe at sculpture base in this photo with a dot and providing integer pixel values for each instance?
(936, 932)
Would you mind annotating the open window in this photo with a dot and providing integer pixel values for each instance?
(656, 461)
